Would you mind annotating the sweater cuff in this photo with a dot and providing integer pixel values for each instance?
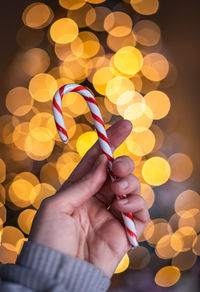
(75, 274)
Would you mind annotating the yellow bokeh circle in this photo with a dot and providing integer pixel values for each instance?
(123, 265)
(158, 102)
(85, 142)
(156, 171)
(72, 4)
(64, 31)
(128, 60)
(167, 276)
(42, 87)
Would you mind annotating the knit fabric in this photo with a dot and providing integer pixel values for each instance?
(40, 268)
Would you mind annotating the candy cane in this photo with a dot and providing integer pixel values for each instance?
(103, 140)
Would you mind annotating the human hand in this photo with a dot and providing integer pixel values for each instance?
(76, 220)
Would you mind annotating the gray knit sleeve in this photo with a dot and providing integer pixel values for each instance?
(39, 268)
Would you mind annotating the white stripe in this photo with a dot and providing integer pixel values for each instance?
(86, 93)
(94, 108)
(129, 223)
(69, 87)
(59, 118)
(105, 147)
(132, 240)
(96, 111)
(57, 98)
(63, 137)
(100, 128)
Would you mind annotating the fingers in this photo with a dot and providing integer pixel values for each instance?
(133, 204)
(117, 133)
(126, 185)
(122, 166)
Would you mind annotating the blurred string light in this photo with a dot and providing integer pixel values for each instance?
(121, 60)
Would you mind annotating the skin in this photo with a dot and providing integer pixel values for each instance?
(83, 219)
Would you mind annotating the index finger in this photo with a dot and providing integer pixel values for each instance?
(117, 133)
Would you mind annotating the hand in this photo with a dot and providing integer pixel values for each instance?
(76, 220)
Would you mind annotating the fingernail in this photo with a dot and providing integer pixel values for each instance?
(123, 184)
(123, 201)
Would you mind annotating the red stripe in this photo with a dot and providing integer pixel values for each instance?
(98, 119)
(57, 106)
(129, 215)
(61, 129)
(131, 232)
(103, 137)
(79, 88)
(87, 98)
(61, 91)
(108, 156)
(121, 197)
(90, 99)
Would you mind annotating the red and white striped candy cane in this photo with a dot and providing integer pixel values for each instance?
(103, 140)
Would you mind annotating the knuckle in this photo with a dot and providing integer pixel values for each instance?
(135, 182)
(143, 203)
(132, 164)
(147, 218)
(125, 159)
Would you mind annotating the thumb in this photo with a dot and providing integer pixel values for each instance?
(82, 190)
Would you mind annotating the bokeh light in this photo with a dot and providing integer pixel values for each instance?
(167, 276)
(42, 87)
(19, 101)
(40, 192)
(64, 30)
(86, 45)
(158, 102)
(123, 265)
(72, 4)
(141, 143)
(120, 90)
(35, 61)
(148, 194)
(147, 33)
(188, 199)
(155, 67)
(145, 7)
(95, 18)
(2, 171)
(181, 167)
(128, 60)
(101, 79)
(85, 142)
(66, 164)
(25, 220)
(161, 171)
(79, 15)
(37, 15)
(118, 24)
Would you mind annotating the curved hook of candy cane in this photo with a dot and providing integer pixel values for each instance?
(102, 135)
